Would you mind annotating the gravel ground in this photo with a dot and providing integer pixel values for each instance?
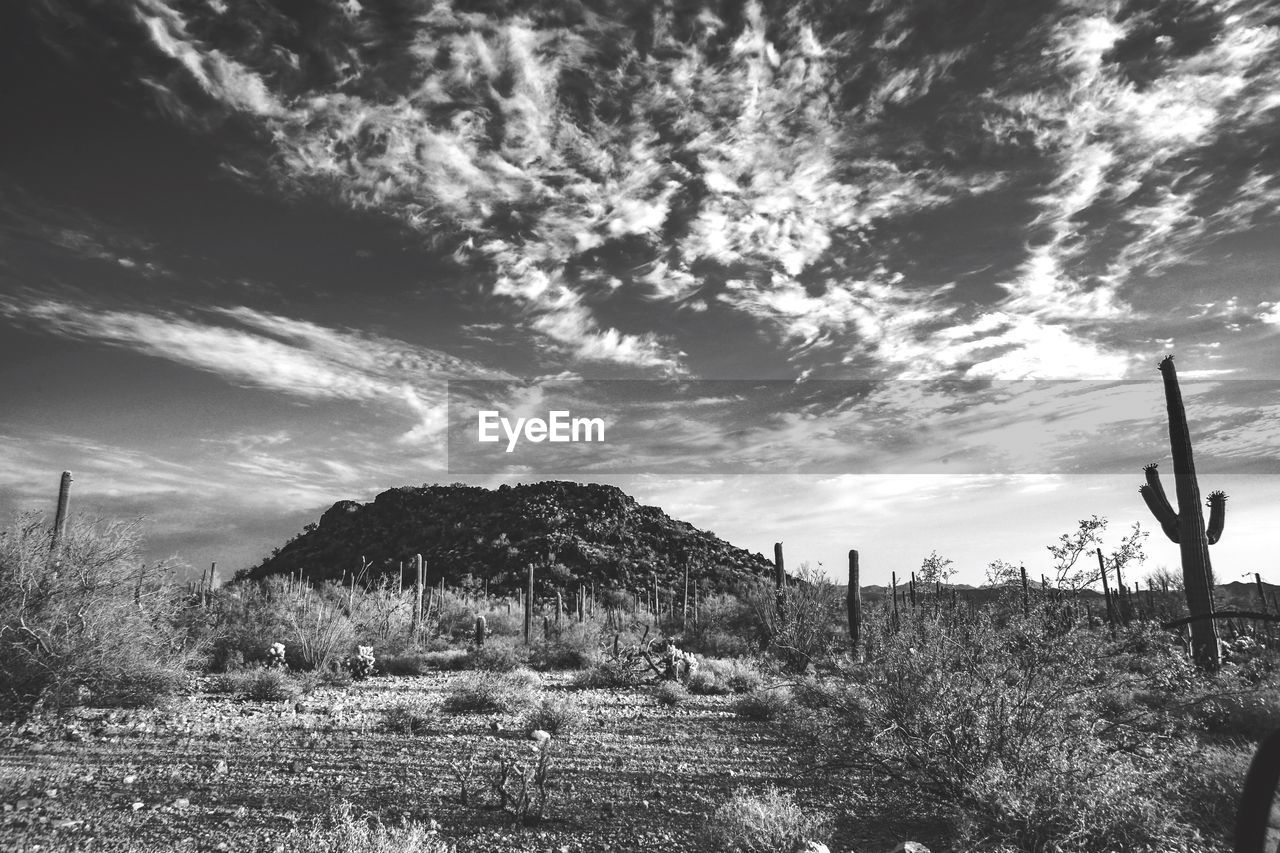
(211, 773)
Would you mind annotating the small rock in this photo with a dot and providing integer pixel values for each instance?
(136, 806)
(51, 793)
(130, 779)
(65, 823)
(220, 767)
(539, 737)
(181, 803)
(812, 847)
(910, 847)
(23, 805)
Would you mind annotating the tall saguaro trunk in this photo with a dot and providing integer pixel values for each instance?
(417, 597)
(1106, 590)
(853, 602)
(779, 586)
(528, 607)
(60, 520)
(1186, 526)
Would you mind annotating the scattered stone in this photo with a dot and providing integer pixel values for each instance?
(220, 767)
(812, 847)
(130, 779)
(539, 737)
(65, 823)
(910, 847)
(181, 803)
(136, 806)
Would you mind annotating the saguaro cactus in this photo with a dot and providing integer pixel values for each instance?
(854, 604)
(528, 608)
(1186, 526)
(60, 520)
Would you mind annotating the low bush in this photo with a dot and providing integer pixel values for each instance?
(606, 673)
(144, 684)
(769, 822)
(231, 683)
(718, 677)
(562, 655)
(420, 663)
(92, 620)
(1247, 716)
(556, 716)
(670, 693)
(406, 719)
(1020, 734)
(497, 657)
(506, 692)
(271, 685)
(763, 703)
(343, 832)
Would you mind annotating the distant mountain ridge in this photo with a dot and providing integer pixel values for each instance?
(571, 532)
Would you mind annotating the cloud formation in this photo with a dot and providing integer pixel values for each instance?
(249, 347)
(768, 161)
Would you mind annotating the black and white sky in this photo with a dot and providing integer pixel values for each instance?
(246, 244)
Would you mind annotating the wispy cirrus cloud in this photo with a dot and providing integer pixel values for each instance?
(772, 162)
(296, 357)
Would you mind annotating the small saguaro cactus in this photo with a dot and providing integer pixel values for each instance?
(482, 627)
(1186, 526)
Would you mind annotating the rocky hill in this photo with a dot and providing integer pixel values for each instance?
(571, 533)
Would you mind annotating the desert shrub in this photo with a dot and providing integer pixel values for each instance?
(343, 832)
(561, 656)
(1245, 716)
(606, 673)
(503, 624)
(575, 647)
(314, 623)
(994, 721)
(419, 663)
(763, 703)
(769, 822)
(143, 684)
(406, 719)
(554, 715)
(382, 616)
(320, 628)
(670, 693)
(505, 692)
(727, 676)
(271, 685)
(90, 623)
(1204, 783)
(726, 627)
(498, 657)
(456, 618)
(703, 683)
(231, 683)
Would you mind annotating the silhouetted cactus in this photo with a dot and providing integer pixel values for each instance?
(1186, 526)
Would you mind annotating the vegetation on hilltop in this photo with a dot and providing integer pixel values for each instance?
(573, 532)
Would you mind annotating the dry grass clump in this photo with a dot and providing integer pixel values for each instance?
(343, 832)
(555, 716)
(501, 692)
(763, 703)
(769, 822)
(670, 693)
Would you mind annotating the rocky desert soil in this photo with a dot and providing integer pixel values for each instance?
(213, 773)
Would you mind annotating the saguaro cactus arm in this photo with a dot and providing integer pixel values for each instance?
(1153, 493)
(1217, 516)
